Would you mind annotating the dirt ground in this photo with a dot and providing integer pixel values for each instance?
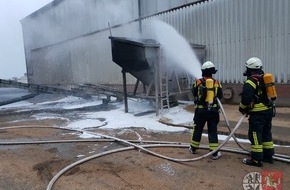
(32, 166)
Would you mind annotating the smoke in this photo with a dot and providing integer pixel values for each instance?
(177, 50)
(71, 19)
(63, 24)
(116, 11)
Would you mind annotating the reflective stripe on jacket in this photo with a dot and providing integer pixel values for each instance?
(196, 91)
(250, 92)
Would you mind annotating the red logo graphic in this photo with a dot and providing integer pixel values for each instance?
(272, 180)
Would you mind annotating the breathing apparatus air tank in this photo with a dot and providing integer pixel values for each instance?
(270, 88)
(210, 91)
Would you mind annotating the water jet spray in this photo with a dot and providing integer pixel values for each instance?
(178, 52)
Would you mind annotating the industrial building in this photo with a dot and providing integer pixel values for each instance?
(67, 41)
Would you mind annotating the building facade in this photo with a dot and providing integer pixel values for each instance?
(67, 41)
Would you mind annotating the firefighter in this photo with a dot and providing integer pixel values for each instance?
(256, 104)
(205, 91)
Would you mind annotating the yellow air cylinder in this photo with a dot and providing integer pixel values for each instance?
(210, 91)
(270, 88)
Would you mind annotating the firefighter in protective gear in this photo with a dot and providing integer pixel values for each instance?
(256, 104)
(205, 91)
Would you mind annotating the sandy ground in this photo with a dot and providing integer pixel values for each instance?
(32, 166)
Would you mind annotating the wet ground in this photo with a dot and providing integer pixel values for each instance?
(32, 165)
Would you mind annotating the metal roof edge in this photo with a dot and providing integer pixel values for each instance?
(43, 9)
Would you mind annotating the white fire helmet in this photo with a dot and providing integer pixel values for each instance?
(254, 63)
(207, 65)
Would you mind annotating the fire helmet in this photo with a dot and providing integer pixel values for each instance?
(208, 68)
(254, 63)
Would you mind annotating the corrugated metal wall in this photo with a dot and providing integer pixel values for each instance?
(232, 30)
(83, 60)
(63, 47)
(235, 30)
(155, 6)
(64, 20)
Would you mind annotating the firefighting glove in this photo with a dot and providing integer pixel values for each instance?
(243, 110)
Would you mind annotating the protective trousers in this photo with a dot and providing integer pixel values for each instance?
(201, 116)
(260, 135)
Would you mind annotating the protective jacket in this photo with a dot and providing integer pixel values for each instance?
(254, 96)
(205, 114)
(199, 93)
(254, 101)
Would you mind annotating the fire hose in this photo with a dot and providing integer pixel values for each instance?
(228, 125)
(142, 147)
(160, 144)
(145, 150)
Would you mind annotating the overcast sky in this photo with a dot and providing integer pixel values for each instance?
(12, 59)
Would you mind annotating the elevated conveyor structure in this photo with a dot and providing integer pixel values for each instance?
(141, 58)
(144, 59)
(136, 56)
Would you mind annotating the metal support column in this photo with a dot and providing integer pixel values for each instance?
(125, 91)
(157, 80)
